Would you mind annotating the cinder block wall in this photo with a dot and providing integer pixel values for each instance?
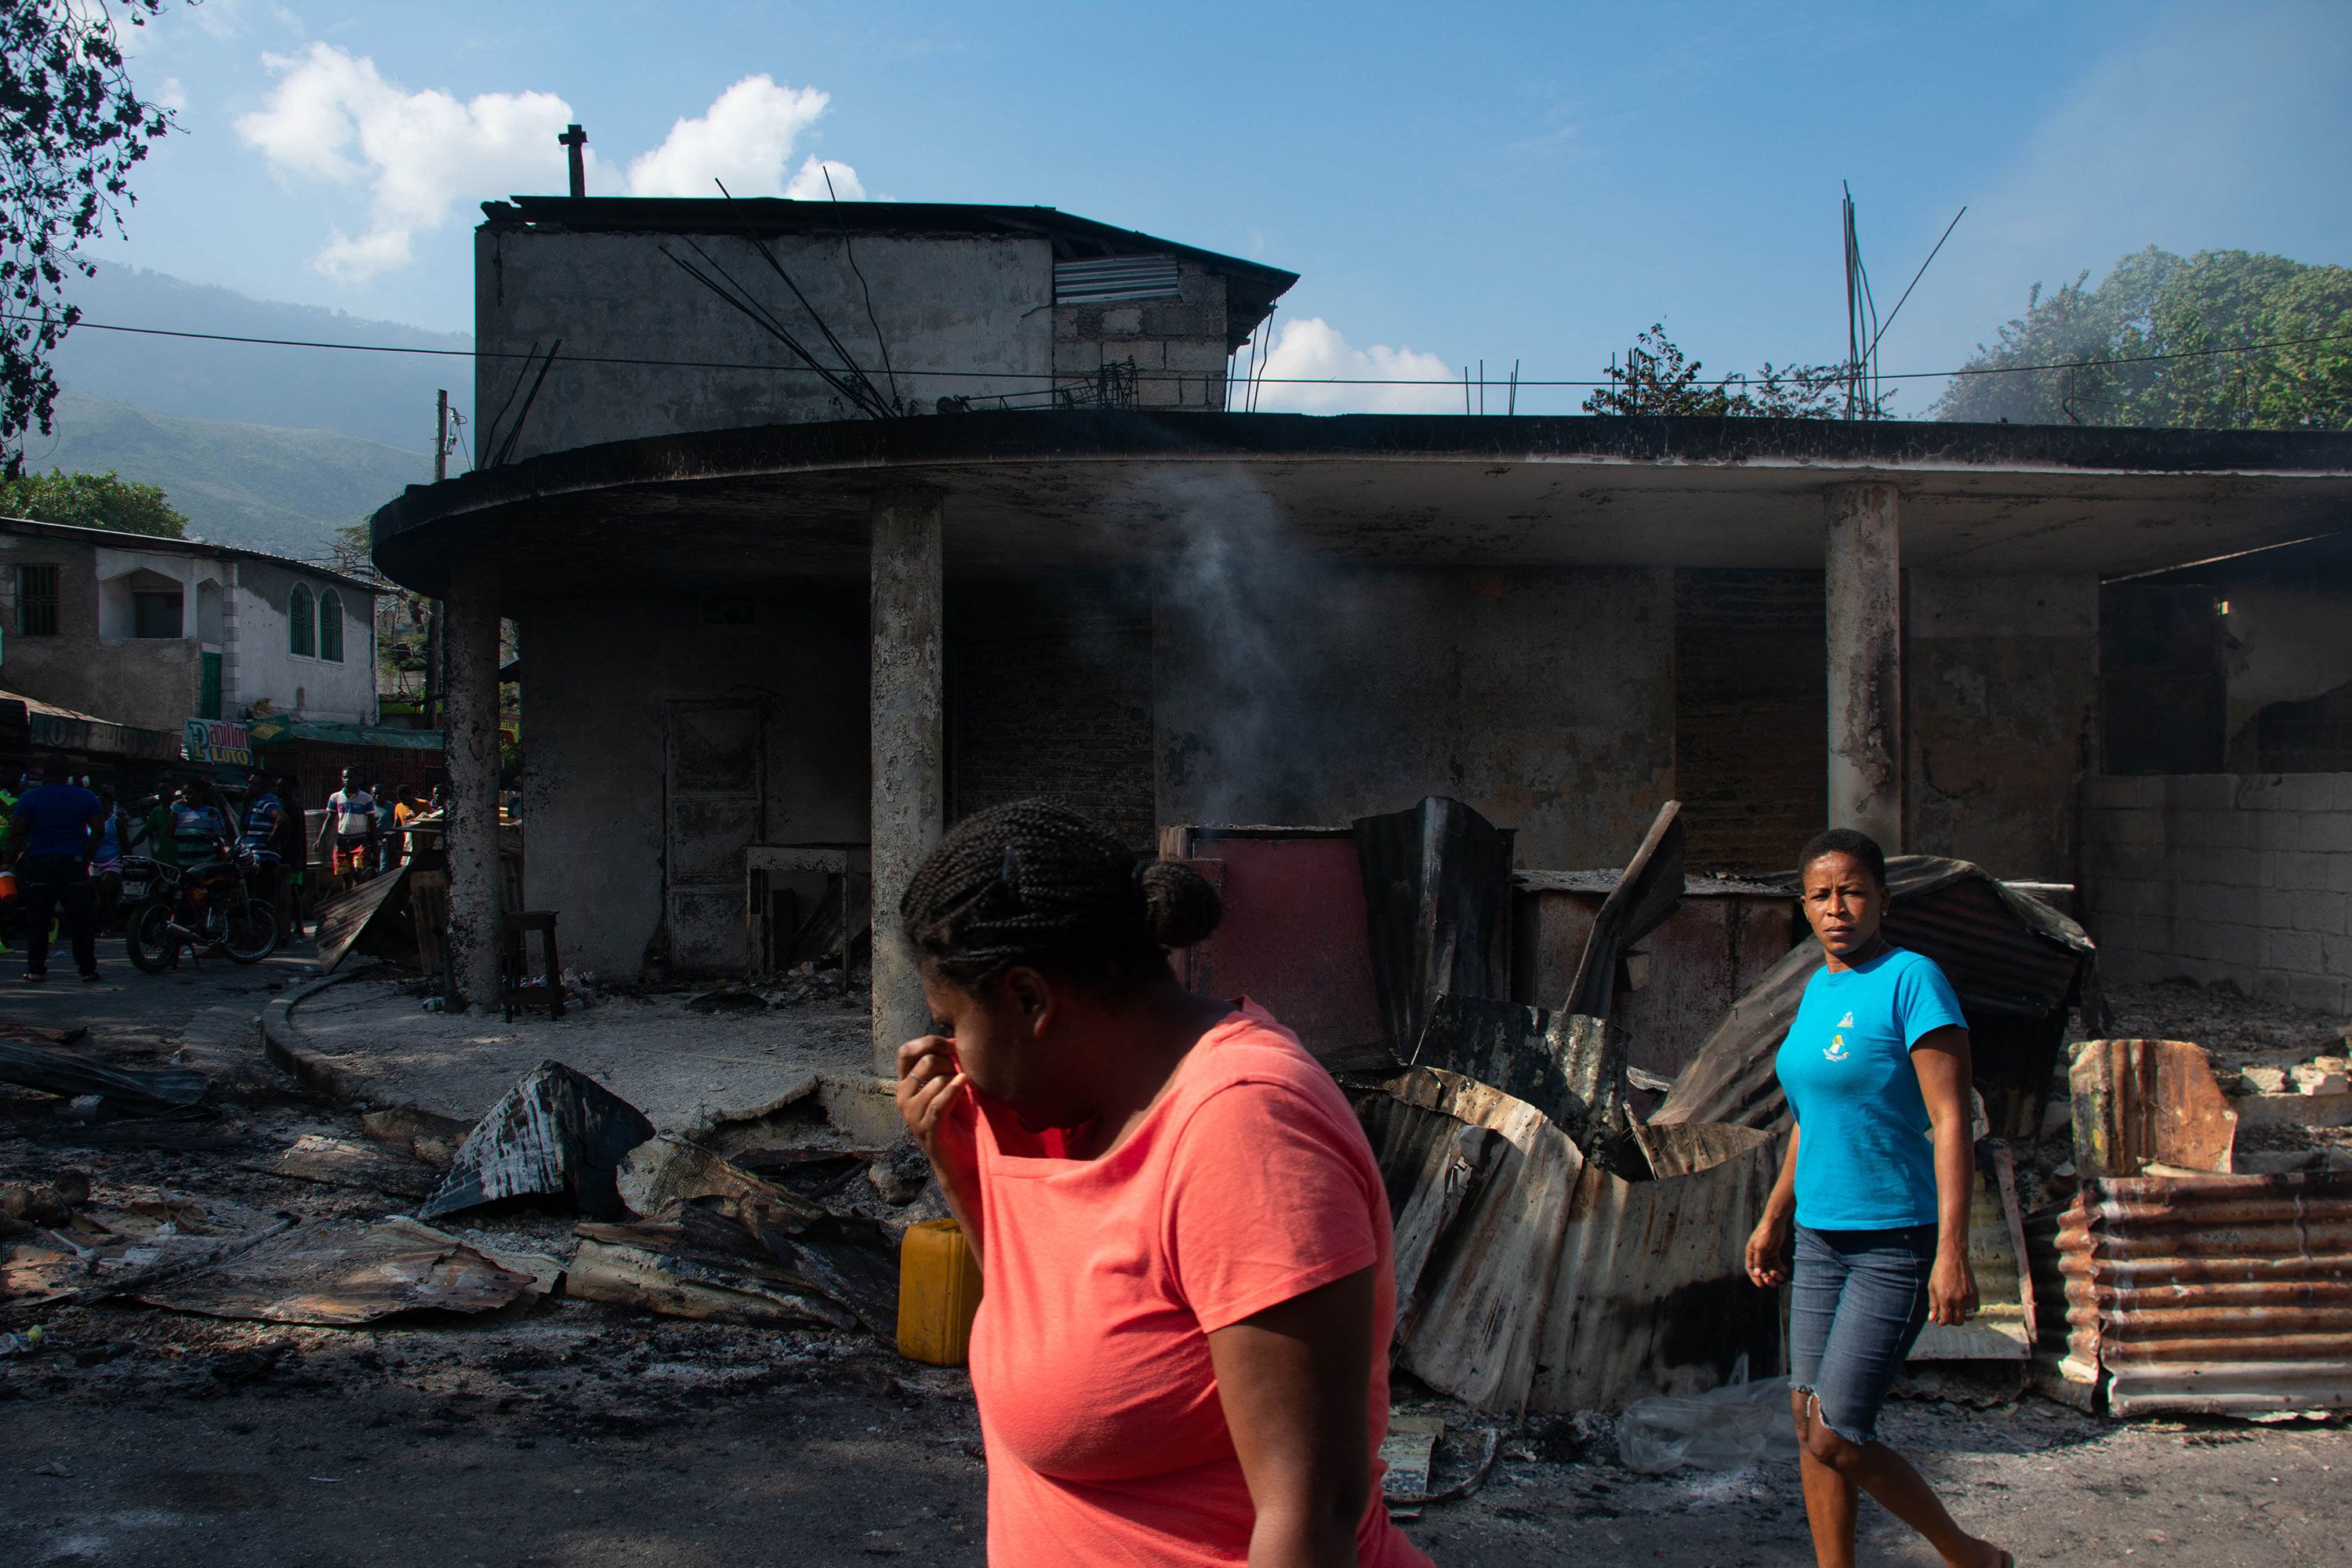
(2215, 876)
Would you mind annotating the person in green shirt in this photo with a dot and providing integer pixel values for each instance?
(155, 832)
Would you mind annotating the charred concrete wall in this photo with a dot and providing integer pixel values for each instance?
(1750, 716)
(1049, 692)
(2288, 656)
(602, 677)
(2001, 676)
(2220, 878)
(947, 302)
(1312, 693)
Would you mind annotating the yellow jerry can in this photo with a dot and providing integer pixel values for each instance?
(939, 1292)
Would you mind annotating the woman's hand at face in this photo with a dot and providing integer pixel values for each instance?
(1951, 1290)
(1768, 1252)
(930, 1087)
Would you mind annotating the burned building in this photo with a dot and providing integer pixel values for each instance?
(825, 523)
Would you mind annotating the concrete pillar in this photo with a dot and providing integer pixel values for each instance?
(909, 784)
(1865, 570)
(470, 734)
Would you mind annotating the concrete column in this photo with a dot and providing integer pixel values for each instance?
(910, 785)
(470, 734)
(1865, 571)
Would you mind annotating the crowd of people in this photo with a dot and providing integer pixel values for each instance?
(82, 857)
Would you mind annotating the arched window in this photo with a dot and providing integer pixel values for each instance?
(331, 626)
(301, 622)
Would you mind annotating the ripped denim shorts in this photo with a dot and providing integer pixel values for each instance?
(1856, 1304)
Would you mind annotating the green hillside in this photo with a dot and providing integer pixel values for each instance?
(255, 485)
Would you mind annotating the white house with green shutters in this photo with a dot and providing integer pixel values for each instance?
(152, 632)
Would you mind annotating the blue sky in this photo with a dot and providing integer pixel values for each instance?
(1452, 182)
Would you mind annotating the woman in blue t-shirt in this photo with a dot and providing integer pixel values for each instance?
(1877, 1185)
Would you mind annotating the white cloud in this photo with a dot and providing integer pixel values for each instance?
(744, 137)
(334, 118)
(1310, 347)
(170, 95)
(823, 179)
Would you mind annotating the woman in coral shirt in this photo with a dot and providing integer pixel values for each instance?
(1182, 1354)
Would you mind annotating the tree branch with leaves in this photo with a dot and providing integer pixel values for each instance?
(72, 126)
(1657, 377)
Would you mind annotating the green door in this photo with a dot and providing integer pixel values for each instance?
(208, 700)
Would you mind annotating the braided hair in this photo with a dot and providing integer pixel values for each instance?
(1037, 883)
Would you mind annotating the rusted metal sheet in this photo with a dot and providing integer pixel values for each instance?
(2143, 1103)
(1644, 895)
(1717, 942)
(1531, 1278)
(2017, 964)
(1292, 938)
(557, 1131)
(1567, 1066)
(340, 1272)
(2224, 1295)
(2004, 1326)
(1437, 905)
(1651, 1294)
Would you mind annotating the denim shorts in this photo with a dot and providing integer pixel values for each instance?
(1856, 1304)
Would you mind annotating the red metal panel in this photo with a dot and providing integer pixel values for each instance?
(1292, 938)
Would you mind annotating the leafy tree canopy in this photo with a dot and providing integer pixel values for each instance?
(1657, 377)
(93, 501)
(71, 127)
(2157, 304)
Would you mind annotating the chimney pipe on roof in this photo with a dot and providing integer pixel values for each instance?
(575, 138)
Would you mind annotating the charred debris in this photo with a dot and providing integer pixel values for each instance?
(1571, 1194)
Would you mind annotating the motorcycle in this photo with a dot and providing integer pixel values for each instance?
(216, 904)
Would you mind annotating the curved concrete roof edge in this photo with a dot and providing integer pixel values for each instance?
(922, 448)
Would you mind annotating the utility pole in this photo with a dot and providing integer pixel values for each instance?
(432, 702)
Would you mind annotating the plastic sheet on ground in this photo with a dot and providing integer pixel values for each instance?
(1727, 1428)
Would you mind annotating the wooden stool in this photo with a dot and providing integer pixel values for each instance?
(514, 967)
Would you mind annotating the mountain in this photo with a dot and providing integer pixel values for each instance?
(378, 397)
(284, 490)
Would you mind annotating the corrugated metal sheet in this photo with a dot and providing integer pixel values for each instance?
(2002, 1329)
(2142, 1102)
(1570, 1065)
(2225, 1295)
(1114, 277)
(1437, 910)
(1529, 1277)
(2015, 962)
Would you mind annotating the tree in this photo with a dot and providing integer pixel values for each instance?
(93, 501)
(2222, 340)
(71, 127)
(1657, 377)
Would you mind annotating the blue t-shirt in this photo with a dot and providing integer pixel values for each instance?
(60, 814)
(1867, 1156)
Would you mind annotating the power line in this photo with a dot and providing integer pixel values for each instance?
(1446, 381)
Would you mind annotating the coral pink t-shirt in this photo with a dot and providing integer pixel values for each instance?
(1247, 1184)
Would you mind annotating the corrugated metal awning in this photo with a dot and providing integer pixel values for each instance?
(1113, 277)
